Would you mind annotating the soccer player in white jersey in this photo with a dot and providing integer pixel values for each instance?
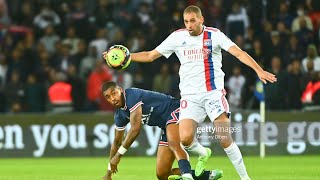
(202, 83)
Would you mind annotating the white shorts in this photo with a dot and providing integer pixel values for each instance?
(198, 106)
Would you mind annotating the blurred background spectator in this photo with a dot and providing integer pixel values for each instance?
(235, 85)
(41, 41)
(162, 81)
(60, 93)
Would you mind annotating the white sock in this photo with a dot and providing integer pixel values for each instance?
(235, 157)
(187, 175)
(197, 148)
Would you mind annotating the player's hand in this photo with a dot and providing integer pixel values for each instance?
(114, 168)
(265, 76)
(114, 163)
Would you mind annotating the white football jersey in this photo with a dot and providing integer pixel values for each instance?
(200, 58)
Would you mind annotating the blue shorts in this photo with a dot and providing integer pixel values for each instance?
(172, 118)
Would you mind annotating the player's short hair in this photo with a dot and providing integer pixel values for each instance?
(107, 85)
(193, 9)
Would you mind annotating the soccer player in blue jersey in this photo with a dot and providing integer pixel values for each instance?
(137, 107)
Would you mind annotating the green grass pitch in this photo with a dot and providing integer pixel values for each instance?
(143, 168)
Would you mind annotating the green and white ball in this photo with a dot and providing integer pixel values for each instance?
(118, 57)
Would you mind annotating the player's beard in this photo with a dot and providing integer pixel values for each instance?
(196, 31)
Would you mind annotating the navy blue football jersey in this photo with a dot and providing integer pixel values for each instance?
(157, 109)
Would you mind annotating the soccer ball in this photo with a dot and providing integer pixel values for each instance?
(118, 57)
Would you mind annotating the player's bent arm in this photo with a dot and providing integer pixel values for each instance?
(146, 56)
(244, 58)
(113, 150)
(135, 122)
(132, 134)
(116, 142)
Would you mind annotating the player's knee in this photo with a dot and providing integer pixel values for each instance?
(163, 174)
(162, 177)
(173, 145)
(186, 140)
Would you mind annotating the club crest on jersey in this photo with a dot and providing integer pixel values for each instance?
(207, 42)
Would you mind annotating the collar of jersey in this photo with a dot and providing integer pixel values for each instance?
(203, 27)
(125, 103)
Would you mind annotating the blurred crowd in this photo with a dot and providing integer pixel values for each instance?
(51, 50)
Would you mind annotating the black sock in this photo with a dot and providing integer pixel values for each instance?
(184, 166)
(204, 176)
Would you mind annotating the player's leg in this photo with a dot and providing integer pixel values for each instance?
(230, 147)
(171, 136)
(182, 156)
(217, 108)
(165, 156)
(163, 163)
(191, 114)
(165, 159)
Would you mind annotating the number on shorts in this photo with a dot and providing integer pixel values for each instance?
(183, 104)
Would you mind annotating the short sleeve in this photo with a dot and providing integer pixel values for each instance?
(223, 41)
(121, 120)
(168, 46)
(133, 99)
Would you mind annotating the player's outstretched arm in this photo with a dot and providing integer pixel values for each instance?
(249, 61)
(146, 56)
(135, 122)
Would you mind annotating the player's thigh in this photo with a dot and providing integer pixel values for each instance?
(173, 136)
(190, 109)
(216, 105)
(165, 159)
(172, 131)
(191, 114)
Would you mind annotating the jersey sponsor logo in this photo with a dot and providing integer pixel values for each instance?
(145, 117)
(197, 54)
